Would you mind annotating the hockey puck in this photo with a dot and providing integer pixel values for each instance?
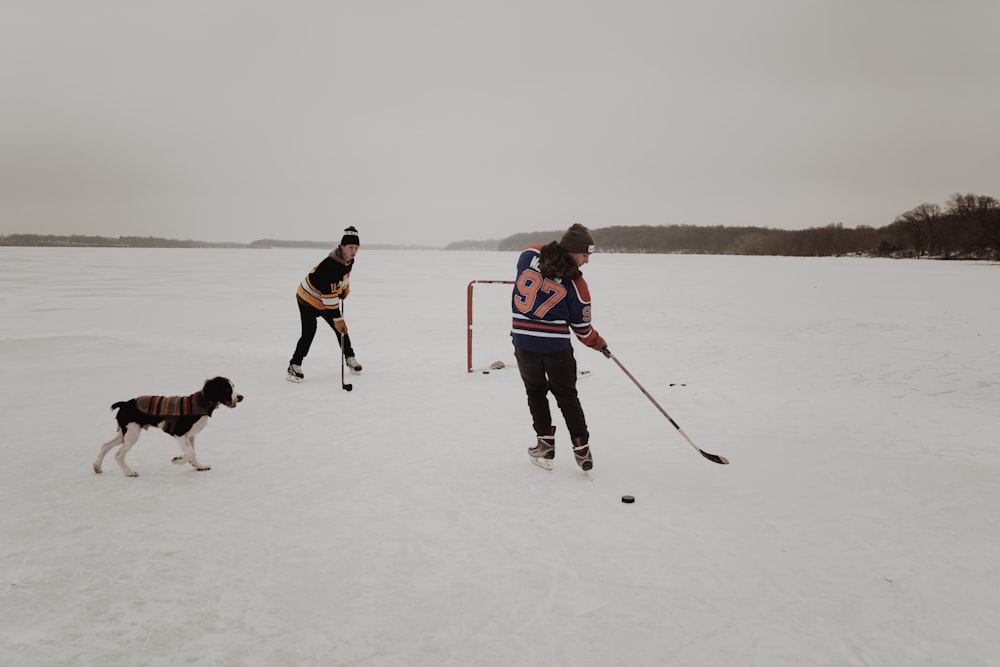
(628, 499)
(486, 372)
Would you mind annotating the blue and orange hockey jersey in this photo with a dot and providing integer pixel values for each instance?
(546, 310)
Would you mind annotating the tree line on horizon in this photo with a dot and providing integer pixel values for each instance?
(88, 241)
(966, 227)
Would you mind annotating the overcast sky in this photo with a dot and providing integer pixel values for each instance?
(444, 120)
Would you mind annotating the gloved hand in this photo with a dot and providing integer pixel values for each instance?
(605, 351)
(344, 292)
(340, 325)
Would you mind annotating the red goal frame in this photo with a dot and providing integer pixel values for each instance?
(468, 311)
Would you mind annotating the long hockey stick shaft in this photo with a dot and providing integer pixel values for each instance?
(343, 341)
(346, 386)
(715, 458)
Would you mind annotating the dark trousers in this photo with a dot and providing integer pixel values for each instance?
(308, 315)
(552, 372)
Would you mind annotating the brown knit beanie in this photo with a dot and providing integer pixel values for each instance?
(577, 239)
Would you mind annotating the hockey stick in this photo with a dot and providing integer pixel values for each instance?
(345, 386)
(714, 458)
(343, 337)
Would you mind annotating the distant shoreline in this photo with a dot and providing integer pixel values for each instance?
(957, 234)
(54, 241)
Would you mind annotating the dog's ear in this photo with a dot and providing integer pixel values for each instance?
(210, 388)
(217, 380)
(218, 389)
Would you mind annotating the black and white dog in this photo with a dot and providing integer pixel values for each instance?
(182, 417)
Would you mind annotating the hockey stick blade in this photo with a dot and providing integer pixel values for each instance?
(714, 458)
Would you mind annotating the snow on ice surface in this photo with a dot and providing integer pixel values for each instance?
(403, 524)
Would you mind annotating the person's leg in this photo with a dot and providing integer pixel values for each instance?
(560, 368)
(348, 348)
(307, 316)
(344, 339)
(531, 365)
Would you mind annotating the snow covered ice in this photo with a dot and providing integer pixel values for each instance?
(403, 523)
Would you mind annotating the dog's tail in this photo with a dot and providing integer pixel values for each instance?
(119, 404)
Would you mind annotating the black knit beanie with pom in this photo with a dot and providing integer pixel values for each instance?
(350, 237)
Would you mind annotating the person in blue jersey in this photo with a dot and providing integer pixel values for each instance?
(320, 295)
(550, 304)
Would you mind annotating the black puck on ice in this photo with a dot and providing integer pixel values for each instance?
(628, 499)
(486, 372)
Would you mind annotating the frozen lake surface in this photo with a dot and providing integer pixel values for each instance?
(402, 524)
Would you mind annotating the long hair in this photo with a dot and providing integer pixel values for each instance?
(554, 262)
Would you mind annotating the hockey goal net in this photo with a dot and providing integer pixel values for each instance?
(488, 316)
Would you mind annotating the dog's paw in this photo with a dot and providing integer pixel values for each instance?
(97, 469)
(203, 468)
(179, 460)
(132, 474)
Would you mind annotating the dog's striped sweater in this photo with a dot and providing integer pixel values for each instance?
(175, 406)
(178, 412)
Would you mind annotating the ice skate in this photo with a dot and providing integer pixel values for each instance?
(353, 364)
(295, 373)
(581, 451)
(544, 450)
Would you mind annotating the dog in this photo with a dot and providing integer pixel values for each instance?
(182, 417)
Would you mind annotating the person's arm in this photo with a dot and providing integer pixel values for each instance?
(580, 315)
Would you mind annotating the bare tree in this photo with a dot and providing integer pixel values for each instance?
(980, 216)
(919, 224)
